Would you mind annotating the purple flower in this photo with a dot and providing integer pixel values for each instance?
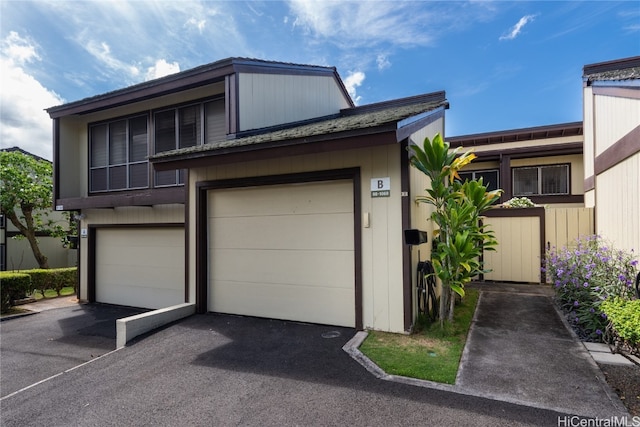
(604, 315)
(585, 284)
(598, 332)
(576, 303)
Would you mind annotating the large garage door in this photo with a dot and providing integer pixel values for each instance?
(140, 267)
(283, 252)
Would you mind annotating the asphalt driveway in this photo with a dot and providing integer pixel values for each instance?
(38, 346)
(230, 370)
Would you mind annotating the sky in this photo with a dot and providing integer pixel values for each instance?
(503, 64)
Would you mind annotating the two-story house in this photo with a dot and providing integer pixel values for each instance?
(248, 187)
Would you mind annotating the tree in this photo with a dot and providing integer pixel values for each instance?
(460, 237)
(26, 197)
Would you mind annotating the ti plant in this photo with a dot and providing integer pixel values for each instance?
(461, 237)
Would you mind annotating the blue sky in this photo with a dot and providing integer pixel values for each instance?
(503, 65)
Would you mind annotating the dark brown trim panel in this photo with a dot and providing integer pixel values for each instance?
(203, 187)
(617, 92)
(405, 202)
(589, 183)
(626, 147)
(157, 196)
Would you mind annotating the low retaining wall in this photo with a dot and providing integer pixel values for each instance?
(130, 327)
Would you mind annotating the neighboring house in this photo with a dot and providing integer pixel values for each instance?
(16, 254)
(248, 187)
(611, 98)
(545, 164)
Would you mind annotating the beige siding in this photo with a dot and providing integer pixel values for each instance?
(614, 118)
(20, 256)
(589, 144)
(161, 214)
(618, 204)
(273, 99)
(517, 257)
(382, 242)
(565, 225)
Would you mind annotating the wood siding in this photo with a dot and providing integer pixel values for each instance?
(272, 99)
(382, 242)
(564, 225)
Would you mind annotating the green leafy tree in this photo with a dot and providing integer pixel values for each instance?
(460, 237)
(26, 198)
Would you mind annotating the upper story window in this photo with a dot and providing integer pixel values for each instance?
(490, 177)
(185, 127)
(541, 180)
(118, 155)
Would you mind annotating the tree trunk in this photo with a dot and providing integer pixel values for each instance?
(452, 303)
(29, 233)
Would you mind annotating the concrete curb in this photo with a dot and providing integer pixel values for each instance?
(130, 327)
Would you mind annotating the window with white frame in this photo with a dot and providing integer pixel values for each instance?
(184, 127)
(118, 155)
(541, 180)
(490, 177)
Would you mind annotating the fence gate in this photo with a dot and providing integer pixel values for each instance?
(524, 234)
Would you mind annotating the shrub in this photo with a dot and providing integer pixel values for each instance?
(519, 202)
(52, 278)
(14, 286)
(624, 318)
(586, 274)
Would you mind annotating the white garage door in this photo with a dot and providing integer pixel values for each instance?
(140, 267)
(283, 252)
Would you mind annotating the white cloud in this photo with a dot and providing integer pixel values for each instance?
(161, 69)
(359, 24)
(516, 29)
(102, 52)
(351, 83)
(23, 121)
(199, 24)
(382, 62)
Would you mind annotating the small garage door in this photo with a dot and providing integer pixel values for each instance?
(140, 267)
(283, 252)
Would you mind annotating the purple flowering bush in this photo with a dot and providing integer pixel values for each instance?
(584, 275)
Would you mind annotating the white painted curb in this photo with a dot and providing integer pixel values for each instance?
(130, 327)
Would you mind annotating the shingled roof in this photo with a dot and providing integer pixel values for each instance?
(357, 121)
(622, 69)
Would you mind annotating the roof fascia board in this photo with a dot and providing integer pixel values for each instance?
(323, 143)
(525, 152)
(410, 125)
(513, 135)
(618, 64)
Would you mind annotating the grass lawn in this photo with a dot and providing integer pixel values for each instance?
(50, 293)
(432, 353)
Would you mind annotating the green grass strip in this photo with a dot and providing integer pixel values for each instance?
(433, 353)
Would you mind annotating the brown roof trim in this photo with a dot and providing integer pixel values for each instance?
(199, 76)
(439, 97)
(535, 151)
(621, 150)
(370, 124)
(514, 135)
(615, 65)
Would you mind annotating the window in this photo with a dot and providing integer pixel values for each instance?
(118, 155)
(541, 180)
(186, 127)
(490, 178)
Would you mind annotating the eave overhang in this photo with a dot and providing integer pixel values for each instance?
(376, 124)
(189, 79)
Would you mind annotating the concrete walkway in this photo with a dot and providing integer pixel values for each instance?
(521, 350)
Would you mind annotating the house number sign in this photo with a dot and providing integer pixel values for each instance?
(381, 187)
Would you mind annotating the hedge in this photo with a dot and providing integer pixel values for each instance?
(624, 317)
(13, 286)
(18, 284)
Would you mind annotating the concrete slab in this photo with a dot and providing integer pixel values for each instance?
(597, 347)
(130, 327)
(611, 359)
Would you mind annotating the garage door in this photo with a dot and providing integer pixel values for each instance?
(140, 267)
(283, 252)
